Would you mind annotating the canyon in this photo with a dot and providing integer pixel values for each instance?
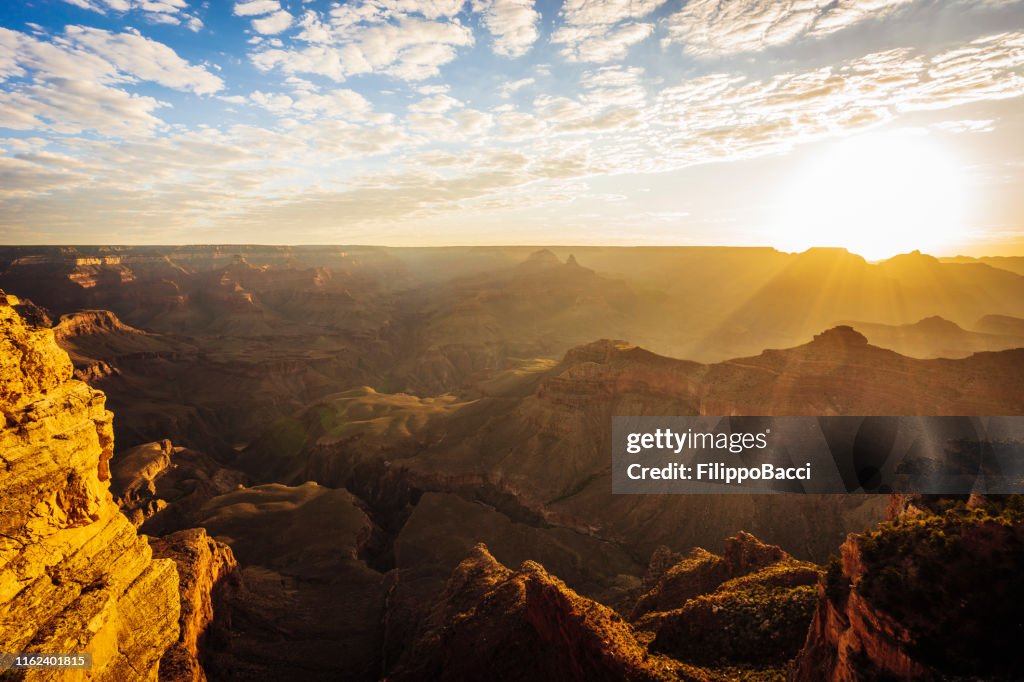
(370, 463)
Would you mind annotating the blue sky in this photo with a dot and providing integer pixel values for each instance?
(513, 121)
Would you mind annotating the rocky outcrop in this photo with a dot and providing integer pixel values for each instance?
(91, 336)
(74, 575)
(495, 623)
(134, 474)
(504, 445)
(751, 605)
(88, 322)
(33, 315)
(160, 487)
(544, 257)
(206, 578)
(104, 349)
(925, 596)
(428, 547)
(662, 559)
(698, 573)
(849, 640)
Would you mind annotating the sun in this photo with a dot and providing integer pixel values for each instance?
(877, 195)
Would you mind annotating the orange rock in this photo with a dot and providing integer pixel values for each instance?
(74, 575)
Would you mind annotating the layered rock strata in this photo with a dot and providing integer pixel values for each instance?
(74, 575)
(206, 569)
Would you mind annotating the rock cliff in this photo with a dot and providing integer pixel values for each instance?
(206, 569)
(932, 594)
(740, 615)
(495, 623)
(749, 606)
(74, 575)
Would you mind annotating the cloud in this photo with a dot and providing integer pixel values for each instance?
(222, 182)
(341, 102)
(314, 157)
(507, 89)
(611, 100)
(966, 126)
(171, 12)
(256, 8)
(73, 106)
(379, 201)
(710, 28)
(631, 128)
(277, 103)
(603, 30)
(728, 116)
(436, 104)
(436, 89)
(407, 39)
(177, 181)
(28, 174)
(308, 102)
(144, 58)
(454, 124)
(94, 54)
(73, 83)
(431, 9)
(268, 17)
(272, 24)
(599, 46)
(519, 125)
(511, 23)
(614, 85)
(373, 37)
(163, 19)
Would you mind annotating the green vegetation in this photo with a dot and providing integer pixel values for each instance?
(837, 585)
(743, 674)
(761, 618)
(953, 580)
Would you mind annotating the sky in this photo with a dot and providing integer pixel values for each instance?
(877, 125)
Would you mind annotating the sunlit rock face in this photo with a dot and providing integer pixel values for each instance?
(74, 575)
(206, 569)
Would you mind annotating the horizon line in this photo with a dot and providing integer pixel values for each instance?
(760, 247)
